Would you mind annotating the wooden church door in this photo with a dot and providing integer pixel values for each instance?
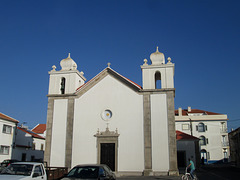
(108, 155)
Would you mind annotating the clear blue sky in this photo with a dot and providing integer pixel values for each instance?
(201, 37)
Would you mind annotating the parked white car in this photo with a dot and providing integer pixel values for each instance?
(24, 171)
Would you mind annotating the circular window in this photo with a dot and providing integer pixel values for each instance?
(106, 115)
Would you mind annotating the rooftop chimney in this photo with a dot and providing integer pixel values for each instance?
(179, 111)
(189, 109)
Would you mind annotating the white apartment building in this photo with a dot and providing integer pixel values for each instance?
(29, 146)
(210, 128)
(8, 127)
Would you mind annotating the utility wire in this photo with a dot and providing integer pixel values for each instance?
(233, 120)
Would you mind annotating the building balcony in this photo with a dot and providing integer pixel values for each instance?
(223, 130)
(225, 144)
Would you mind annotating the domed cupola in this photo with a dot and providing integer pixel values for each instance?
(157, 58)
(68, 64)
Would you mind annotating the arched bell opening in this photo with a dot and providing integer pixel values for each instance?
(158, 83)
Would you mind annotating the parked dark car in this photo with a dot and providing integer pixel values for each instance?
(97, 171)
(6, 162)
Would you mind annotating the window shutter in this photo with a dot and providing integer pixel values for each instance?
(196, 127)
(208, 155)
(207, 140)
(205, 127)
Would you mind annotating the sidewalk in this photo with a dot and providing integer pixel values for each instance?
(151, 177)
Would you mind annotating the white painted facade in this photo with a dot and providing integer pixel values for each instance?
(126, 120)
(210, 128)
(7, 136)
(59, 131)
(159, 133)
(28, 146)
(139, 121)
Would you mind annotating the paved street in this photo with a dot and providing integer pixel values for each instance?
(219, 172)
(209, 172)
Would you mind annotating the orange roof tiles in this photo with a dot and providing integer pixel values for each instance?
(31, 133)
(39, 129)
(5, 117)
(185, 112)
(183, 136)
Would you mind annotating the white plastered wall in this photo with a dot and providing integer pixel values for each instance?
(6, 139)
(160, 143)
(57, 157)
(166, 71)
(214, 145)
(127, 109)
(73, 81)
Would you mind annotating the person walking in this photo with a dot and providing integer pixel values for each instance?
(192, 167)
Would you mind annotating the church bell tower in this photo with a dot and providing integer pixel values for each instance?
(158, 75)
(67, 80)
(159, 115)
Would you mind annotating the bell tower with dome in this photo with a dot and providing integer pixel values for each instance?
(158, 75)
(158, 114)
(67, 80)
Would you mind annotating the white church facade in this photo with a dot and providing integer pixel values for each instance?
(112, 120)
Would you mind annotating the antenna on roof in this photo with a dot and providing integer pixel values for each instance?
(22, 125)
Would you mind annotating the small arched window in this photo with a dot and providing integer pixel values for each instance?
(158, 80)
(62, 89)
(202, 141)
(201, 127)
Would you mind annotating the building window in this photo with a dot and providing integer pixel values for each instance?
(208, 155)
(63, 81)
(32, 158)
(185, 126)
(157, 80)
(201, 127)
(223, 127)
(7, 129)
(42, 147)
(203, 141)
(225, 154)
(24, 156)
(4, 150)
(33, 146)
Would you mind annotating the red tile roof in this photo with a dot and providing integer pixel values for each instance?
(185, 112)
(183, 136)
(140, 87)
(5, 117)
(31, 133)
(39, 129)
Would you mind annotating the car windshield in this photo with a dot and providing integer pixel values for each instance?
(18, 169)
(86, 172)
(6, 161)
